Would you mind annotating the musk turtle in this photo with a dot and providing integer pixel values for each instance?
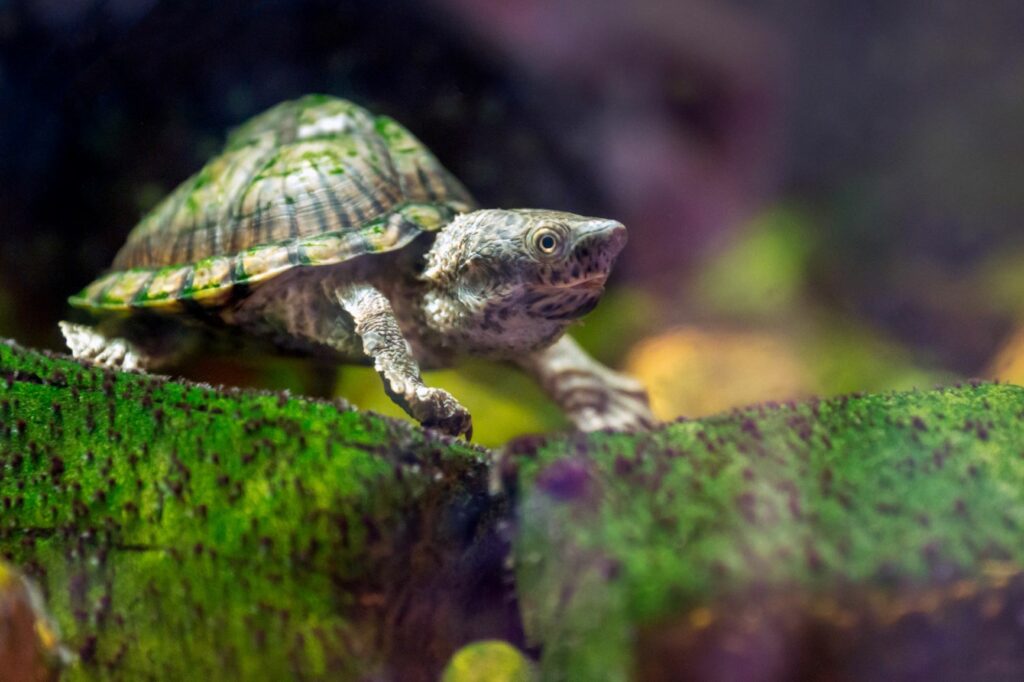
(329, 231)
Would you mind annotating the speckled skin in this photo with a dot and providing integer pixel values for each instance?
(379, 260)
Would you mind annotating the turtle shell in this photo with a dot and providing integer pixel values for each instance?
(313, 181)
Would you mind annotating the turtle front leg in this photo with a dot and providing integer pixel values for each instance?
(384, 343)
(592, 396)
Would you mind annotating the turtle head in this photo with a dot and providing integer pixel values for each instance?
(508, 281)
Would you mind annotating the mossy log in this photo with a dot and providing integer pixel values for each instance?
(183, 532)
(871, 537)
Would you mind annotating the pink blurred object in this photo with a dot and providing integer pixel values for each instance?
(685, 102)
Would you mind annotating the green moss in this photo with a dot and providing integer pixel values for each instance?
(182, 532)
(896, 492)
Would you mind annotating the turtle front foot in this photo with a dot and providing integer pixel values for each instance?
(383, 341)
(436, 408)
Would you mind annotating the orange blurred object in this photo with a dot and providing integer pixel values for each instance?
(1008, 364)
(29, 647)
(695, 372)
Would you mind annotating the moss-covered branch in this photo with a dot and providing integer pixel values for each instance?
(182, 532)
(877, 537)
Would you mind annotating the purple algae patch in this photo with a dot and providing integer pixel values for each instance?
(565, 480)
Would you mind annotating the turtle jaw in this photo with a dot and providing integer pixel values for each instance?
(593, 283)
(589, 284)
(567, 301)
(574, 307)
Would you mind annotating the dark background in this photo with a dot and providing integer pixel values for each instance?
(869, 152)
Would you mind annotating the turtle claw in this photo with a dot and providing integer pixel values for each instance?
(436, 408)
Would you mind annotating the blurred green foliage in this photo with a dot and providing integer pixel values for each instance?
(763, 279)
(845, 355)
(624, 316)
(762, 272)
(1001, 280)
(490, 661)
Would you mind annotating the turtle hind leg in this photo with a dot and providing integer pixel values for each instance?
(87, 343)
(118, 351)
(592, 396)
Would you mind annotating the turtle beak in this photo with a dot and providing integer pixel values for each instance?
(608, 235)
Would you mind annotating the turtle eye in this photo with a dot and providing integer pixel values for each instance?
(547, 241)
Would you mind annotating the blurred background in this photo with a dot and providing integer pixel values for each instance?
(821, 197)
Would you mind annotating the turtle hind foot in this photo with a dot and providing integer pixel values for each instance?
(594, 397)
(616, 402)
(88, 344)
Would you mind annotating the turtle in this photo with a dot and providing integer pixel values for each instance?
(328, 231)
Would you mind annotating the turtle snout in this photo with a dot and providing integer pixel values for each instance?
(611, 234)
(598, 244)
(616, 235)
(601, 238)
(617, 239)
